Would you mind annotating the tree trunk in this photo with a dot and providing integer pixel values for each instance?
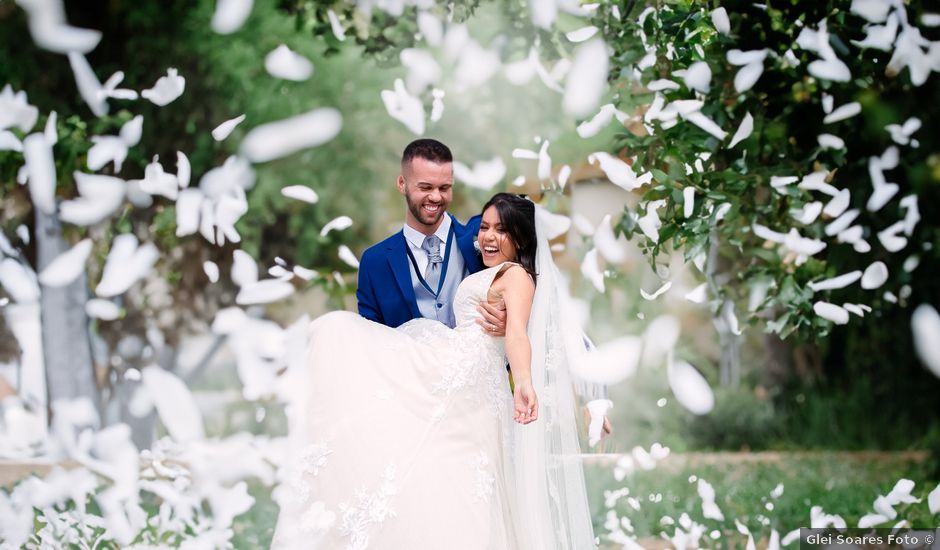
(729, 373)
(66, 348)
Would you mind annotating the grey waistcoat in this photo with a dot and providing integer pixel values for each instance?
(441, 307)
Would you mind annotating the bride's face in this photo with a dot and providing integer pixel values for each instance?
(495, 244)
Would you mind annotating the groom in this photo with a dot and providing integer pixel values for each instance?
(415, 272)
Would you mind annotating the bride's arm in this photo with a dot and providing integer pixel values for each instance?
(517, 292)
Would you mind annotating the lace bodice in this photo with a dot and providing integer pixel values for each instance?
(470, 293)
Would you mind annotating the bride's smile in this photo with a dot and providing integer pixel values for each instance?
(495, 244)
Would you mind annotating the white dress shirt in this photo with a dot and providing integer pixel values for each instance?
(416, 238)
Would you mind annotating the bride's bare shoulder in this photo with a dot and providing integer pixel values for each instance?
(513, 276)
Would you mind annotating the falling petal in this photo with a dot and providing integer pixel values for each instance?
(698, 295)
(767, 234)
(710, 510)
(745, 129)
(158, 182)
(99, 197)
(843, 112)
(730, 319)
(42, 175)
(107, 149)
(874, 11)
(925, 324)
(230, 15)
(174, 403)
(830, 69)
(9, 142)
(817, 182)
(563, 174)
(223, 130)
(340, 223)
(483, 175)
(808, 213)
(650, 223)
(841, 281)
(263, 292)
(132, 130)
(555, 225)
(244, 269)
(183, 169)
(842, 222)
(690, 388)
(890, 238)
(278, 139)
(67, 266)
(747, 76)
(597, 408)
(167, 89)
(591, 271)
(125, 265)
(688, 201)
(829, 141)
(105, 310)
(610, 363)
(933, 499)
(336, 26)
(301, 193)
(544, 169)
(875, 275)
(803, 245)
(706, 124)
(583, 34)
(909, 203)
(347, 256)
(698, 77)
(656, 294)
(188, 205)
(831, 312)
(19, 281)
(720, 20)
(619, 172)
(282, 62)
(838, 204)
(590, 128)
(431, 28)
(543, 13)
(88, 84)
(662, 84)
(587, 80)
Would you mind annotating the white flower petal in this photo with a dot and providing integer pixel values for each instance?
(9, 142)
(225, 129)
(301, 193)
(890, 238)
(431, 28)
(933, 499)
(15, 111)
(175, 404)
(843, 112)
(338, 224)
(838, 204)
(347, 256)
(42, 176)
(720, 20)
(88, 84)
(336, 26)
(230, 15)
(925, 325)
(875, 275)
(873, 10)
(840, 281)
(19, 281)
(211, 269)
(698, 295)
(126, 264)
(690, 388)
(591, 271)
(282, 62)
(587, 79)
(831, 312)
(706, 124)
(483, 175)
(264, 292)
(132, 130)
(99, 197)
(167, 88)
(244, 269)
(619, 172)
(829, 141)
(656, 293)
(105, 310)
(688, 201)
(278, 139)
(67, 266)
(842, 222)
(744, 131)
(583, 34)
(808, 213)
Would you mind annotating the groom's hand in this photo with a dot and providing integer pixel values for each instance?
(493, 318)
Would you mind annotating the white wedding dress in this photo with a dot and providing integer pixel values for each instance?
(402, 439)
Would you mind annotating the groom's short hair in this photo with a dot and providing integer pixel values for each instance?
(427, 149)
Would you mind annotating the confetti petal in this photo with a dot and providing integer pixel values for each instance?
(690, 388)
(230, 15)
(225, 129)
(301, 193)
(174, 403)
(745, 129)
(336, 224)
(278, 139)
(282, 62)
(587, 79)
(347, 256)
(841, 281)
(831, 312)
(167, 89)
(483, 175)
(66, 267)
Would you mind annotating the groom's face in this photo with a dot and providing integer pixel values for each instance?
(428, 188)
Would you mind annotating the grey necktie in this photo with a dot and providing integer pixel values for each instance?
(432, 245)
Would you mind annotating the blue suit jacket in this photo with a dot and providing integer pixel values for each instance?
(385, 293)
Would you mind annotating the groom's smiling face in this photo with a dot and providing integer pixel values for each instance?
(428, 188)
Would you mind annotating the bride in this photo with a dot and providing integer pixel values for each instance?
(411, 438)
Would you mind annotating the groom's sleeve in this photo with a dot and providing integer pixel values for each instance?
(365, 296)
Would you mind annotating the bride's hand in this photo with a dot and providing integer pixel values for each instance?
(526, 403)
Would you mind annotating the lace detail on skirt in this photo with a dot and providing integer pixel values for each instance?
(369, 508)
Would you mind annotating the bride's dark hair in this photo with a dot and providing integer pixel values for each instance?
(517, 216)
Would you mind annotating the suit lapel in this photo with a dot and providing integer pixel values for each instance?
(397, 258)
